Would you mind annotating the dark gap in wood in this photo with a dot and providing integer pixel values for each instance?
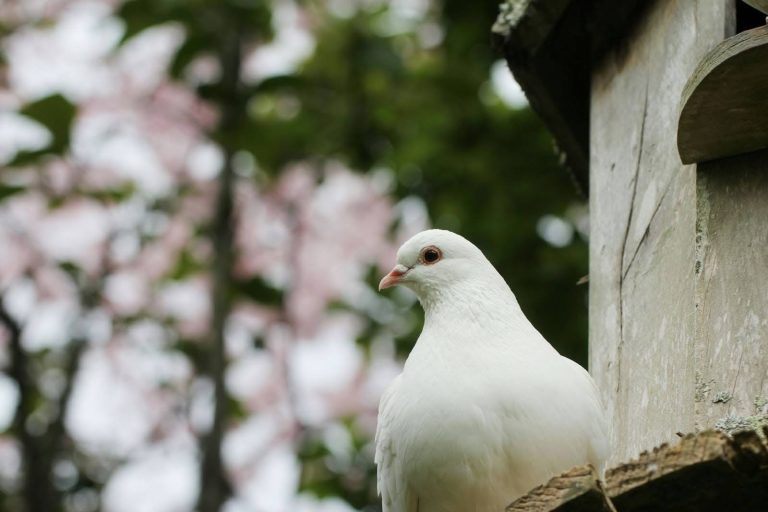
(747, 17)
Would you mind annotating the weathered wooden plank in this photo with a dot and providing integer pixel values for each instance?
(731, 291)
(642, 210)
(724, 110)
(707, 472)
(577, 490)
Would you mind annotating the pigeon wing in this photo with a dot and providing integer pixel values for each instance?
(395, 494)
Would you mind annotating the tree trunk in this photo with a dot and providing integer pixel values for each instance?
(214, 486)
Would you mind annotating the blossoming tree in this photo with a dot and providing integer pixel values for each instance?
(196, 200)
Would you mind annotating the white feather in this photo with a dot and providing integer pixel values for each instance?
(485, 409)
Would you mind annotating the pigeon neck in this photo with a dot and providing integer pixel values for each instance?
(484, 302)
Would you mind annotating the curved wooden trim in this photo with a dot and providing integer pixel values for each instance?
(724, 106)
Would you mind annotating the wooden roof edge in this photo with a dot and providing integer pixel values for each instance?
(551, 46)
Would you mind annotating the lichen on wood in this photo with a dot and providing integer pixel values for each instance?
(510, 13)
(733, 423)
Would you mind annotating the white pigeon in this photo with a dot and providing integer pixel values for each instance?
(485, 408)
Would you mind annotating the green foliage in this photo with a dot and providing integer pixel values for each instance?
(56, 113)
(113, 194)
(9, 190)
(351, 476)
(376, 98)
(259, 291)
(195, 352)
(207, 22)
(489, 172)
(186, 265)
(192, 47)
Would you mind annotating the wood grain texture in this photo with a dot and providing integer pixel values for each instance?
(577, 490)
(705, 472)
(732, 290)
(724, 106)
(702, 473)
(643, 214)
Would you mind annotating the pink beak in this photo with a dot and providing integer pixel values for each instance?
(394, 277)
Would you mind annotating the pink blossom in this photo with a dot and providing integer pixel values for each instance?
(126, 292)
(188, 303)
(76, 232)
(135, 194)
(53, 283)
(158, 257)
(16, 257)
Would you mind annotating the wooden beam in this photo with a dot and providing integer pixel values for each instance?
(705, 472)
(731, 311)
(643, 226)
(577, 490)
(724, 106)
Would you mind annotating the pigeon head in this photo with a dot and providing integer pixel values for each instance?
(434, 260)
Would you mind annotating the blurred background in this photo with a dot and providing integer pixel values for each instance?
(197, 200)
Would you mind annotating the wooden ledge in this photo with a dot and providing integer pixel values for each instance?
(724, 106)
(577, 490)
(706, 472)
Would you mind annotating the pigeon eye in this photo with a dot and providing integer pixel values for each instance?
(430, 255)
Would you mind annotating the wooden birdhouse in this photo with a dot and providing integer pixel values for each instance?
(660, 110)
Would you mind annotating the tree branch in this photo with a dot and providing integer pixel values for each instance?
(38, 491)
(214, 485)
